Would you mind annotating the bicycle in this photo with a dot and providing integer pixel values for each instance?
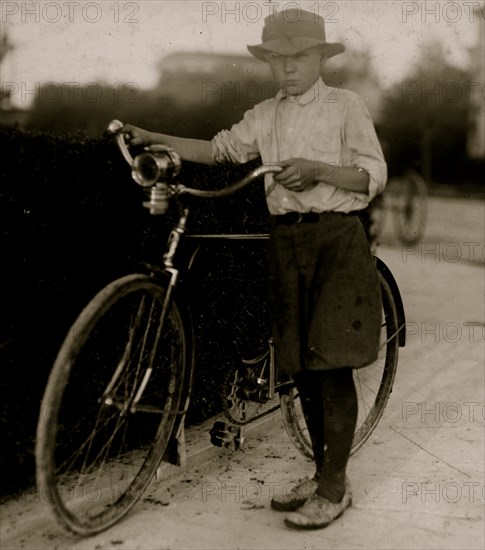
(117, 397)
(406, 198)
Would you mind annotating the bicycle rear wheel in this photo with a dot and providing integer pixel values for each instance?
(373, 385)
(111, 403)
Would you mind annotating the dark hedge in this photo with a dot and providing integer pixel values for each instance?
(71, 221)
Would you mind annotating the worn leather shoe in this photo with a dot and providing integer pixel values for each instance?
(296, 497)
(318, 512)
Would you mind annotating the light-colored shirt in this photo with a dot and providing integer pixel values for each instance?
(324, 124)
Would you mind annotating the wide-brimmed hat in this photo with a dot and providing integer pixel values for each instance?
(292, 31)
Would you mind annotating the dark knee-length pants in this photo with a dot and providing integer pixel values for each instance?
(324, 295)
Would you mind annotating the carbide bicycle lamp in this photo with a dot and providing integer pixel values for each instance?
(153, 169)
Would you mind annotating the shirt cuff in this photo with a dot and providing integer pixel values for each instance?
(377, 180)
(224, 151)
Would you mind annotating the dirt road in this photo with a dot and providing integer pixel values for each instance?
(418, 482)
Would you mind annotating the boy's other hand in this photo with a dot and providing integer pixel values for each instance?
(298, 174)
(136, 136)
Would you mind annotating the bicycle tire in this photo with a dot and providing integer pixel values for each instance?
(98, 447)
(373, 385)
(410, 207)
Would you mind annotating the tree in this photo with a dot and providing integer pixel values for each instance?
(425, 117)
(355, 71)
(5, 47)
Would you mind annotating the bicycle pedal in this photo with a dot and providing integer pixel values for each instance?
(225, 435)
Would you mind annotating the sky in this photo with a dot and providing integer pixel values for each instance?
(118, 41)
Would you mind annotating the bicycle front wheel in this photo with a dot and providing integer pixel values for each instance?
(373, 385)
(111, 403)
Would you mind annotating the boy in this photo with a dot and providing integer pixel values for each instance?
(324, 290)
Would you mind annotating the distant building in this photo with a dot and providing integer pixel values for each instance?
(204, 78)
(210, 79)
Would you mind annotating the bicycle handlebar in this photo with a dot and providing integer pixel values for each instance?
(154, 168)
(235, 187)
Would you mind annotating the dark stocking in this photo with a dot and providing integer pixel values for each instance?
(331, 392)
(312, 405)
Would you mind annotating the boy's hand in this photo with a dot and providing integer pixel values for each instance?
(298, 174)
(136, 136)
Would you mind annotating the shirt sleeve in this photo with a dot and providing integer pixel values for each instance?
(239, 144)
(364, 149)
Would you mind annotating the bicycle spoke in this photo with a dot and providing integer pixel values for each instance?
(80, 451)
(117, 388)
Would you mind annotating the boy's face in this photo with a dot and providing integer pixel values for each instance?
(296, 73)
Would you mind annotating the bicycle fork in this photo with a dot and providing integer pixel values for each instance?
(131, 405)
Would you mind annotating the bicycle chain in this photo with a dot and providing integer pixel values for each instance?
(233, 394)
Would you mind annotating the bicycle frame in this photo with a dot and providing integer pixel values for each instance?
(175, 238)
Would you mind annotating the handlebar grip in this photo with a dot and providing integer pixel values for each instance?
(114, 128)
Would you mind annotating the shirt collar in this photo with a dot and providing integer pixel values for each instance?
(312, 94)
